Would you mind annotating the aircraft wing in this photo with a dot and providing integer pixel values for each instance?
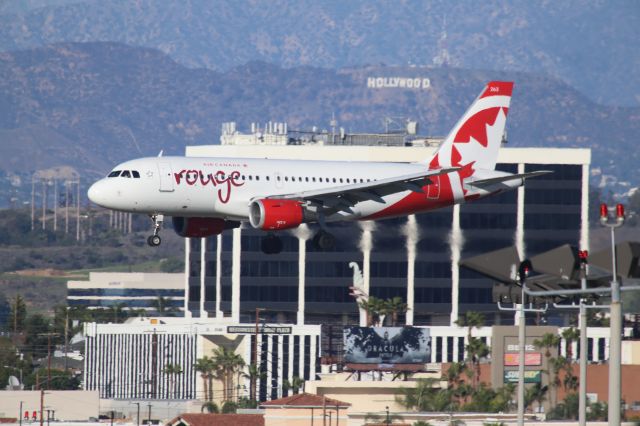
(344, 197)
(491, 181)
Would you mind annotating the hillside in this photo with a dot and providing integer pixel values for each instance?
(92, 105)
(591, 45)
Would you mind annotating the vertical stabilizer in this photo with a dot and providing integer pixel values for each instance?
(475, 140)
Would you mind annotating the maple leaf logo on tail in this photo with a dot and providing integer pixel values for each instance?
(475, 140)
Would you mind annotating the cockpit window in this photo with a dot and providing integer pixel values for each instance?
(114, 173)
(125, 174)
(135, 174)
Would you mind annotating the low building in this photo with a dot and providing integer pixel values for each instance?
(152, 292)
(78, 405)
(305, 409)
(191, 419)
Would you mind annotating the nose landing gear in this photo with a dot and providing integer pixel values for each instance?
(155, 240)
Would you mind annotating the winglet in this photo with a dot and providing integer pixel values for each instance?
(160, 153)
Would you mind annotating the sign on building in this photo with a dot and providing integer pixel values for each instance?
(530, 376)
(386, 345)
(530, 358)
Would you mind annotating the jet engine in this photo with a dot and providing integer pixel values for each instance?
(198, 227)
(273, 215)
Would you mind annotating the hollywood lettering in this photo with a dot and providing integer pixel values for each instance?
(224, 182)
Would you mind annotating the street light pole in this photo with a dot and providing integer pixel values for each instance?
(615, 330)
(523, 271)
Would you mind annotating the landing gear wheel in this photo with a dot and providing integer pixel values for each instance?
(324, 240)
(271, 244)
(154, 240)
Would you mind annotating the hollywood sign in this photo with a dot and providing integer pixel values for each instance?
(418, 83)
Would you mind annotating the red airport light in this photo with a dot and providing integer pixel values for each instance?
(604, 211)
(620, 211)
(583, 255)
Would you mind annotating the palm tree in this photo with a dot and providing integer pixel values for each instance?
(296, 383)
(173, 370)
(206, 367)
(547, 342)
(396, 306)
(476, 348)
(254, 374)
(228, 364)
(570, 335)
(162, 305)
(210, 407)
(375, 309)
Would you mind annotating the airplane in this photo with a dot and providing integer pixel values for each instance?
(207, 195)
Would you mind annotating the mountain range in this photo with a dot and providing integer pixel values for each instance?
(591, 45)
(92, 105)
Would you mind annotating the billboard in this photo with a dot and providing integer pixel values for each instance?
(530, 376)
(386, 345)
(530, 358)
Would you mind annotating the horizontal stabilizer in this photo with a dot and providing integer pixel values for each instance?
(492, 181)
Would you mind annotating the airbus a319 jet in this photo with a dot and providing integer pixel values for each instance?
(206, 195)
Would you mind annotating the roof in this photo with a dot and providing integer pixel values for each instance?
(304, 400)
(210, 419)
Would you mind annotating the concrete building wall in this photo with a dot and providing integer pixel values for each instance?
(68, 405)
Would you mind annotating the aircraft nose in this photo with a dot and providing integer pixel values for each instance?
(97, 193)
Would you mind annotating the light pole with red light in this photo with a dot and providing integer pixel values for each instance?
(615, 338)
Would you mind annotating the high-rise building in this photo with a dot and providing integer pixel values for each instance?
(413, 257)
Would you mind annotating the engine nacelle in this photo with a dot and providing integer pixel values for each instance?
(272, 215)
(198, 227)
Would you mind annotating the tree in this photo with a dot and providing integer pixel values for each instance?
(229, 407)
(18, 314)
(425, 397)
(396, 306)
(375, 309)
(206, 366)
(295, 384)
(476, 349)
(210, 407)
(173, 370)
(536, 393)
(570, 335)
(228, 363)
(254, 374)
(162, 306)
(547, 342)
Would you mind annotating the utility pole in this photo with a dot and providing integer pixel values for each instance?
(55, 204)
(78, 209)
(66, 338)
(523, 271)
(138, 415)
(149, 418)
(254, 385)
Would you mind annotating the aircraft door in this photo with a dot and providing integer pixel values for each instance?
(166, 180)
(433, 190)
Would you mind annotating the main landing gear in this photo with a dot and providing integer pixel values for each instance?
(324, 240)
(272, 244)
(155, 240)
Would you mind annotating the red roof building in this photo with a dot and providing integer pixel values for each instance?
(218, 420)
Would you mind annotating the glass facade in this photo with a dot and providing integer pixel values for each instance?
(551, 217)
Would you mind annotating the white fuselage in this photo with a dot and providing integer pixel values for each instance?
(225, 187)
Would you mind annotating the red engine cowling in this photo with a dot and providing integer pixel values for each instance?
(272, 215)
(198, 227)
